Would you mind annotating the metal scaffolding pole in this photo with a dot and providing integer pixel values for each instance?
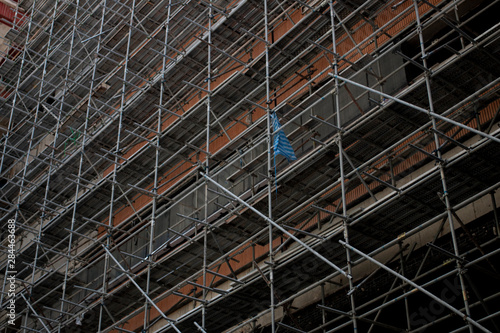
(151, 249)
(32, 139)
(82, 155)
(10, 125)
(36, 314)
(207, 170)
(341, 165)
(270, 173)
(277, 226)
(386, 295)
(65, 89)
(427, 75)
(116, 162)
(419, 288)
(133, 181)
(171, 322)
(18, 82)
(430, 113)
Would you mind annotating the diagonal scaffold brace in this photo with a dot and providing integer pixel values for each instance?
(422, 110)
(171, 322)
(416, 286)
(36, 314)
(277, 226)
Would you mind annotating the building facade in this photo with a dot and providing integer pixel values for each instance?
(141, 191)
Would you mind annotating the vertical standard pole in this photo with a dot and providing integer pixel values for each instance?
(407, 306)
(457, 17)
(11, 117)
(495, 213)
(68, 66)
(441, 167)
(207, 164)
(323, 312)
(341, 162)
(84, 139)
(157, 161)
(19, 77)
(115, 166)
(269, 171)
(40, 93)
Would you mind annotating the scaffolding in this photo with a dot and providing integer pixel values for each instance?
(137, 166)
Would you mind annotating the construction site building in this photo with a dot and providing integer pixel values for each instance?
(249, 166)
